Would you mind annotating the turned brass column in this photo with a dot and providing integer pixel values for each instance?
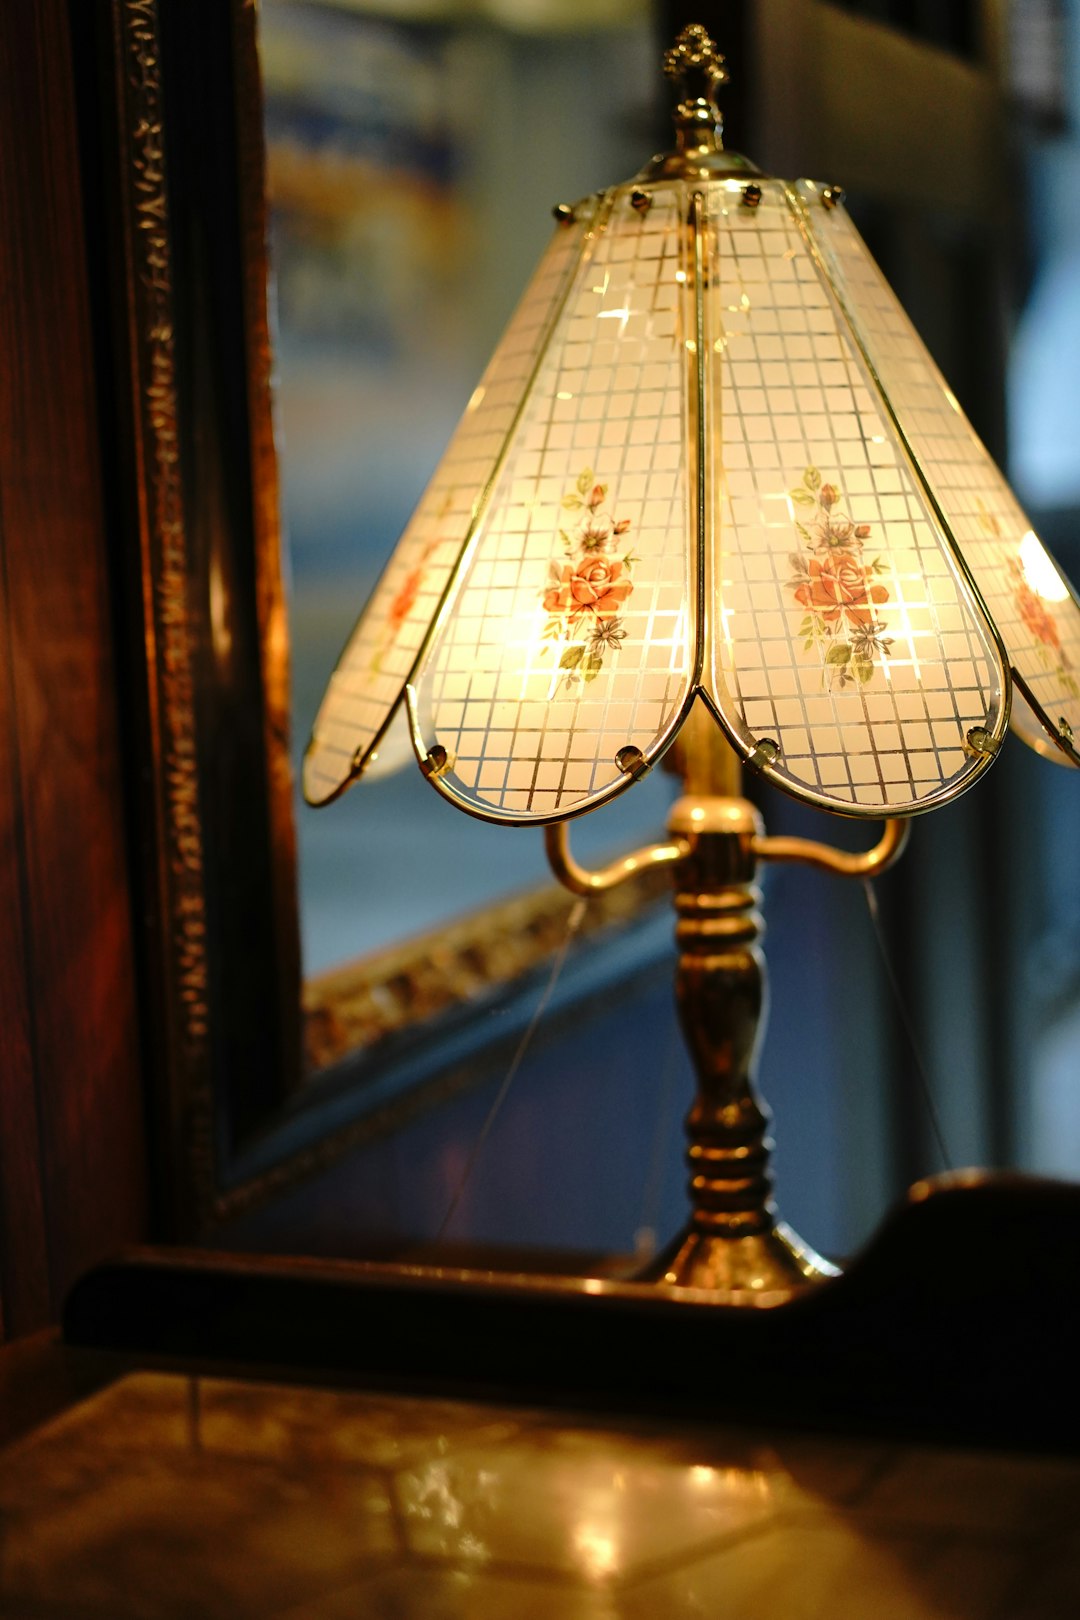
(733, 1243)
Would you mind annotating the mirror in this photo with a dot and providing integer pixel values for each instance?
(258, 1082)
(401, 230)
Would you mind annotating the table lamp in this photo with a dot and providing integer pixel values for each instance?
(711, 491)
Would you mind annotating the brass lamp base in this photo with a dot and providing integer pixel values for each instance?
(761, 1266)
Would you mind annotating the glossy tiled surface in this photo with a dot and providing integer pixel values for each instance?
(168, 1498)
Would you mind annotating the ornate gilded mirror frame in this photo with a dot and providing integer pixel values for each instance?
(258, 1080)
(197, 493)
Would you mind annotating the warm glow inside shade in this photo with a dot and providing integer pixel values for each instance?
(369, 681)
(1031, 604)
(844, 629)
(573, 632)
(709, 454)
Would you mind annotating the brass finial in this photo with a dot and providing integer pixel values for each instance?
(698, 68)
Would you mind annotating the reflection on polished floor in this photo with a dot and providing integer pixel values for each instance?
(165, 1497)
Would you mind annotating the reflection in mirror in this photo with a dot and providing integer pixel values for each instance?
(408, 213)
(412, 170)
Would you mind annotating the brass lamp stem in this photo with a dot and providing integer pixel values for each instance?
(733, 1244)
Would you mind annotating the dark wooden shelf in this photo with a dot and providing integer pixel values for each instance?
(960, 1321)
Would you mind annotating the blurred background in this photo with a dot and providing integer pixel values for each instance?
(415, 150)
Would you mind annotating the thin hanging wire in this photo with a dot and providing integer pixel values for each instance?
(908, 1023)
(572, 925)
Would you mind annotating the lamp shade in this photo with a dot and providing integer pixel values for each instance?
(709, 456)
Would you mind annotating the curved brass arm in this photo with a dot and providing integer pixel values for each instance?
(889, 848)
(579, 880)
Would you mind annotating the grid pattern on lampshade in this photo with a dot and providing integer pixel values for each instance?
(842, 629)
(370, 677)
(1036, 615)
(571, 633)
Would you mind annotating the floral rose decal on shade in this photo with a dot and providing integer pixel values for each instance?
(402, 605)
(1033, 610)
(1041, 623)
(588, 585)
(404, 601)
(593, 586)
(840, 590)
(1035, 613)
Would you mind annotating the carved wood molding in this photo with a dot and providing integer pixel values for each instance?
(271, 605)
(180, 991)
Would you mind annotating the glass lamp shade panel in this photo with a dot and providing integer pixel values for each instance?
(382, 653)
(1032, 605)
(710, 454)
(571, 635)
(848, 656)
